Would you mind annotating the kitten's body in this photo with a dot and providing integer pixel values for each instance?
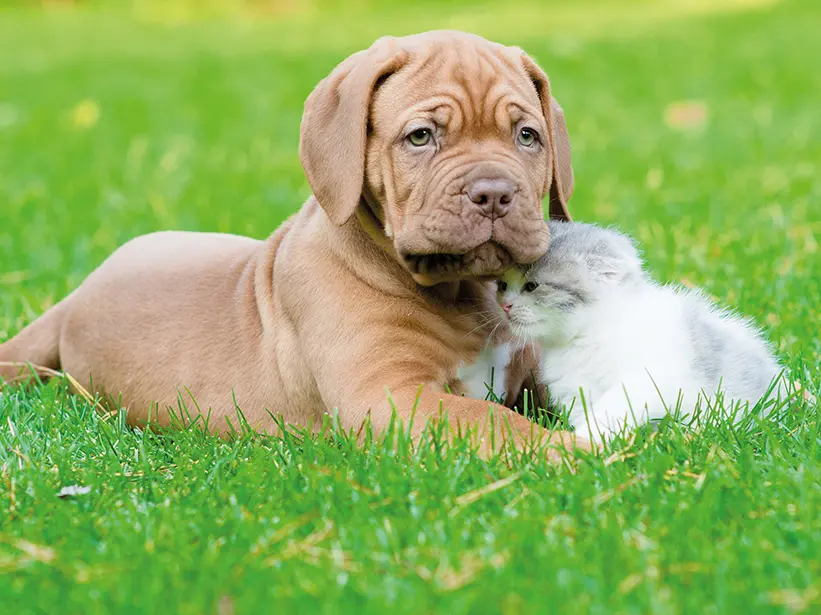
(633, 348)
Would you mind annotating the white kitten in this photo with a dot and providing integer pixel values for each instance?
(632, 348)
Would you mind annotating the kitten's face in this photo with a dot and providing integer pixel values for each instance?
(583, 264)
(538, 298)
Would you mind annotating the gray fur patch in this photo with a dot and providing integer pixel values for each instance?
(707, 342)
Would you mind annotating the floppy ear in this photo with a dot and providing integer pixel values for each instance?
(333, 132)
(562, 188)
(522, 372)
(559, 183)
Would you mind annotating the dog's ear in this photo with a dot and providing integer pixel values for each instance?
(562, 186)
(522, 373)
(334, 127)
(559, 183)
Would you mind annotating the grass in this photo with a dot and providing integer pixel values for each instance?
(695, 126)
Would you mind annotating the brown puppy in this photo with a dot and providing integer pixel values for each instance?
(429, 157)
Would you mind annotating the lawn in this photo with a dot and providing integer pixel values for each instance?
(695, 126)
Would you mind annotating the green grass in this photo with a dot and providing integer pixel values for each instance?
(113, 124)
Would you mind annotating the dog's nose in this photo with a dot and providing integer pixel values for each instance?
(493, 196)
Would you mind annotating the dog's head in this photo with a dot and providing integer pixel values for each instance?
(451, 141)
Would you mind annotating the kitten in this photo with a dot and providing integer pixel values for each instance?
(633, 348)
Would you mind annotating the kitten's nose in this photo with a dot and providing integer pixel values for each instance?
(506, 307)
(493, 196)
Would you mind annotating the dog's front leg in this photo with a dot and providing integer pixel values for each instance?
(492, 427)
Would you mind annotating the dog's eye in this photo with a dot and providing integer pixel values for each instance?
(501, 286)
(527, 137)
(530, 287)
(420, 137)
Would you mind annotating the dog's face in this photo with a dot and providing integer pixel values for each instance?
(453, 141)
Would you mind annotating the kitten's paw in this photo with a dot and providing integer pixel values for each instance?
(589, 428)
(607, 422)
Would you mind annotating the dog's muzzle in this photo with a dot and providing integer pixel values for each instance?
(487, 261)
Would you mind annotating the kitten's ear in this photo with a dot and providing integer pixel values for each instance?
(613, 276)
(613, 270)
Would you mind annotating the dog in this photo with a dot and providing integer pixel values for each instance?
(429, 157)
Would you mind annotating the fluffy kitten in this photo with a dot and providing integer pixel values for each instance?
(633, 348)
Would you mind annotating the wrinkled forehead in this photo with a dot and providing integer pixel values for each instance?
(475, 79)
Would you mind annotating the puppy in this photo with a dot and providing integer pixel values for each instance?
(429, 157)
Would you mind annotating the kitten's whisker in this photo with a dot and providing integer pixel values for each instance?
(480, 326)
(521, 336)
(496, 328)
(486, 319)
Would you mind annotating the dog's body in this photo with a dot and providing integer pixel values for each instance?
(374, 285)
(220, 319)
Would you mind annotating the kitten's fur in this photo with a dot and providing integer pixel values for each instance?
(605, 328)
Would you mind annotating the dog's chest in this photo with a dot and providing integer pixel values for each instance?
(481, 362)
(486, 373)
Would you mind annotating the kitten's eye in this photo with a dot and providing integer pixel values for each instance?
(420, 137)
(501, 286)
(530, 287)
(527, 137)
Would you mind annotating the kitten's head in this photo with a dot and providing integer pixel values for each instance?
(583, 264)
